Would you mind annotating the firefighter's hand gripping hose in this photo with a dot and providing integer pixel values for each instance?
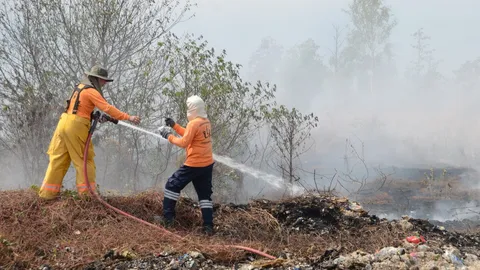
(96, 118)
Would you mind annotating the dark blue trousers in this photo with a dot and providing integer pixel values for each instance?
(201, 177)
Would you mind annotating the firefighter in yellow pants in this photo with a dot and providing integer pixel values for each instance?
(68, 141)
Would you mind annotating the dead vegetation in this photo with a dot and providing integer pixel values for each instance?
(73, 232)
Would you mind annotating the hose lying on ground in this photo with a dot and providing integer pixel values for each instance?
(176, 236)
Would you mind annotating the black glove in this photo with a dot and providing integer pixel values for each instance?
(102, 119)
(165, 131)
(169, 122)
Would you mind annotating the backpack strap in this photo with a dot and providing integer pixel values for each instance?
(77, 90)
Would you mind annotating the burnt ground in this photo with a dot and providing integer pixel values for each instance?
(308, 232)
(448, 198)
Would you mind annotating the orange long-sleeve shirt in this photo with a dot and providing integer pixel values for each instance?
(196, 139)
(91, 98)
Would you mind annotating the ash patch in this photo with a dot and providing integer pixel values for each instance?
(318, 214)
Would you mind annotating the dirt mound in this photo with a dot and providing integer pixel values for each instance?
(316, 214)
(309, 232)
(464, 225)
(467, 243)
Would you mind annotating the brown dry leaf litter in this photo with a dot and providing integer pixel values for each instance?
(72, 232)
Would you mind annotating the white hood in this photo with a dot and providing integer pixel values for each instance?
(195, 108)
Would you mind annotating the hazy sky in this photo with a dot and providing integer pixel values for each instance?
(239, 25)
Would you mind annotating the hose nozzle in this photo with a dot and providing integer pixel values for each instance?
(104, 118)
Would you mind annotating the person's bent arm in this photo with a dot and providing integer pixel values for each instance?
(179, 129)
(104, 106)
(187, 137)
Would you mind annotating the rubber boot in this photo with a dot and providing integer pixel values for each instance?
(207, 215)
(169, 210)
(166, 223)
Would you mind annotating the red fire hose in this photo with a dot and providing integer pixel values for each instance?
(163, 230)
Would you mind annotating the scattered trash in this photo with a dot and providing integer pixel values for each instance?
(415, 239)
(309, 224)
(423, 248)
(354, 206)
(128, 255)
(388, 252)
(405, 225)
(196, 255)
(455, 260)
(45, 267)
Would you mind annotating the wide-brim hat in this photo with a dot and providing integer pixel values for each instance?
(99, 72)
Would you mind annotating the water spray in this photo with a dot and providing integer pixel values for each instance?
(142, 130)
(271, 179)
(96, 117)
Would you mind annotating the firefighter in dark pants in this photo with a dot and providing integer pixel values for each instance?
(198, 166)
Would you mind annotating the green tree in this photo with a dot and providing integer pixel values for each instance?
(233, 105)
(336, 60)
(368, 46)
(468, 75)
(423, 69)
(48, 44)
(291, 132)
(303, 74)
(265, 62)
(338, 77)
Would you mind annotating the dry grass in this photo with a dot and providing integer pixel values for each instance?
(72, 232)
(378, 198)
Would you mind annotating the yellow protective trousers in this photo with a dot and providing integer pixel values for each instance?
(68, 145)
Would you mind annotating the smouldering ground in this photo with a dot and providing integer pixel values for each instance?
(73, 232)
